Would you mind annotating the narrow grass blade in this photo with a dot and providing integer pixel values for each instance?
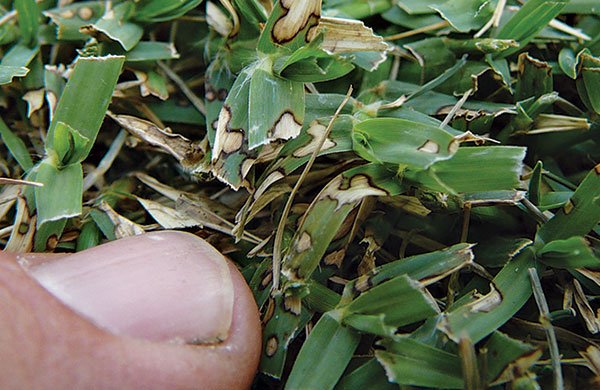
(368, 376)
(535, 78)
(427, 268)
(579, 215)
(217, 84)
(327, 212)
(288, 25)
(283, 325)
(28, 15)
(231, 158)
(275, 109)
(60, 197)
(402, 142)
(16, 146)
(481, 315)
(115, 24)
(19, 55)
(501, 353)
(410, 362)
(465, 15)
(590, 77)
(529, 21)
(161, 10)
(70, 18)
(7, 73)
(324, 355)
(382, 309)
(497, 168)
(574, 252)
(143, 51)
(82, 109)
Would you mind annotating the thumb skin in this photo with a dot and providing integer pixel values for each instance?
(47, 344)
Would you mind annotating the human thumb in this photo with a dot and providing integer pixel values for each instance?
(162, 310)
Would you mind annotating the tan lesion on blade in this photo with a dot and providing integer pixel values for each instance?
(304, 243)
(297, 14)
(246, 165)
(568, 207)
(485, 303)
(184, 150)
(347, 36)
(272, 178)
(227, 140)
(292, 305)
(286, 127)
(349, 191)
(315, 130)
(430, 147)
(272, 345)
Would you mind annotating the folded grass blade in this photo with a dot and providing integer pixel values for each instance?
(410, 362)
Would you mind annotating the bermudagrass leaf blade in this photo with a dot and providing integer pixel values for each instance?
(497, 168)
(82, 108)
(230, 155)
(403, 142)
(60, 197)
(276, 108)
(327, 212)
(385, 304)
(288, 25)
(478, 317)
(579, 215)
(529, 21)
(574, 252)
(409, 362)
(280, 329)
(324, 355)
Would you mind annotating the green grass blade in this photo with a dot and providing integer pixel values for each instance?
(426, 268)
(60, 197)
(368, 376)
(163, 10)
(327, 212)
(16, 147)
(574, 252)
(275, 109)
(28, 15)
(501, 350)
(529, 21)
(409, 362)
(81, 108)
(143, 51)
(482, 315)
(590, 74)
(324, 355)
(115, 24)
(497, 168)
(70, 18)
(231, 158)
(579, 215)
(382, 309)
(465, 15)
(402, 142)
(8, 72)
(19, 55)
(288, 25)
(279, 331)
